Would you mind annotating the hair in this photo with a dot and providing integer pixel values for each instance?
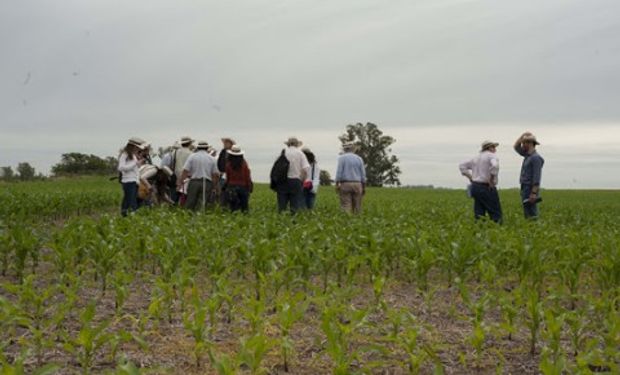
(131, 151)
(236, 161)
(310, 156)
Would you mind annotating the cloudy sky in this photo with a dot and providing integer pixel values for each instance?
(438, 75)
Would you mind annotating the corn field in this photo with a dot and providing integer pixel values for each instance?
(412, 286)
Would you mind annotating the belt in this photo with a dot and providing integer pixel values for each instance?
(200, 179)
(359, 182)
(481, 183)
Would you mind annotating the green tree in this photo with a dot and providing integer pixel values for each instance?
(325, 179)
(7, 173)
(26, 171)
(374, 148)
(75, 163)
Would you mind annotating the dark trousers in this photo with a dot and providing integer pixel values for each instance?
(309, 199)
(530, 210)
(197, 190)
(130, 197)
(290, 193)
(237, 198)
(486, 200)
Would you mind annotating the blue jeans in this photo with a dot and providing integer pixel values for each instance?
(530, 210)
(309, 199)
(290, 194)
(130, 197)
(486, 200)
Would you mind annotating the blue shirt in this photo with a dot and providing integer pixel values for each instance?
(531, 169)
(350, 168)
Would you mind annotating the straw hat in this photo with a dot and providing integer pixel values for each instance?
(349, 146)
(488, 144)
(137, 141)
(186, 140)
(202, 145)
(235, 150)
(293, 141)
(530, 138)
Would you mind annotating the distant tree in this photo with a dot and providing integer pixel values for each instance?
(26, 171)
(374, 148)
(7, 173)
(75, 163)
(325, 179)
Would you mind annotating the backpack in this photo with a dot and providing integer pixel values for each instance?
(279, 171)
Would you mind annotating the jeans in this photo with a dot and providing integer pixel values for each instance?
(197, 190)
(130, 197)
(486, 200)
(237, 198)
(309, 199)
(530, 210)
(290, 194)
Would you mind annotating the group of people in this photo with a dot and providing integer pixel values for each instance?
(483, 170)
(194, 175)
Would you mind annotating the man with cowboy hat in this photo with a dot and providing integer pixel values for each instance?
(291, 193)
(531, 173)
(227, 144)
(350, 179)
(179, 157)
(201, 168)
(482, 172)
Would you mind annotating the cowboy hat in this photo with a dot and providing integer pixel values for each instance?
(186, 140)
(488, 144)
(235, 150)
(137, 141)
(349, 145)
(293, 141)
(530, 138)
(202, 145)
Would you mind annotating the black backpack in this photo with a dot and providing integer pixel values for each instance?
(279, 172)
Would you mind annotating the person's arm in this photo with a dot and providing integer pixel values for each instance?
(494, 170)
(363, 173)
(248, 179)
(125, 164)
(517, 146)
(536, 177)
(184, 175)
(465, 168)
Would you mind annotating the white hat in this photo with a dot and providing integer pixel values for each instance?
(148, 171)
(186, 140)
(202, 145)
(137, 141)
(349, 145)
(293, 141)
(235, 150)
(488, 144)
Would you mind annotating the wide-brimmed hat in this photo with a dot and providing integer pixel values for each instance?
(147, 171)
(202, 145)
(530, 138)
(235, 150)
(293, 141)
(167, 170)
(488, 144)
(227, 139)
(186, 140)
(137, 141)
(349, 145)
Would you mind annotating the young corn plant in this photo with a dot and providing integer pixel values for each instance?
(290, 309)
(339, 324)
(195, 322)
(253, 351)
(553, 359)
(533, 312)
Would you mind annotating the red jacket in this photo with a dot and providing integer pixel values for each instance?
(239, 177)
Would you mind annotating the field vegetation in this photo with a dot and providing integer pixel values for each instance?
(413, 285)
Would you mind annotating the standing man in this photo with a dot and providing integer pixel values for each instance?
(482, 172)
(179, 158)
(531, 173)
(291, 193)
(201, 168)
(350, 179)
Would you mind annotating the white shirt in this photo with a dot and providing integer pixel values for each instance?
(484, 168)
(180, 158)
(129, 168)
(314, 175)
(201, 165)
(298, 163)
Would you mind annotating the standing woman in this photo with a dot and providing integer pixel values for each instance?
(129, 163)
(238, 180)
(311, 185)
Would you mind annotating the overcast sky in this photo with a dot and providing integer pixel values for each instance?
(438, 75)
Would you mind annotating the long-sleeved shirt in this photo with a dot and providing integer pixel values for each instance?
(241, 177)
(129, 168)
(484, 168)
(350, 168)
(315, 177)
(531, 169)
(201, 165)
(298, 163)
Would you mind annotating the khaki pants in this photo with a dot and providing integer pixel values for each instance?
(351, 196)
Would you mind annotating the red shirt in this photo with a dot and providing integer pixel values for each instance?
(239, 177)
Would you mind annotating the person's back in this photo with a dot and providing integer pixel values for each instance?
(180, 157)
(298, 162)
(350, 168)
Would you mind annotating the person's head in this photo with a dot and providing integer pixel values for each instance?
(309, 155)
(489, 146)
(134, 146)
(293, 142)
(202, 146)
(529, 143)
(227, 143)
(235, 157)
(186, 142)
(349, 147)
